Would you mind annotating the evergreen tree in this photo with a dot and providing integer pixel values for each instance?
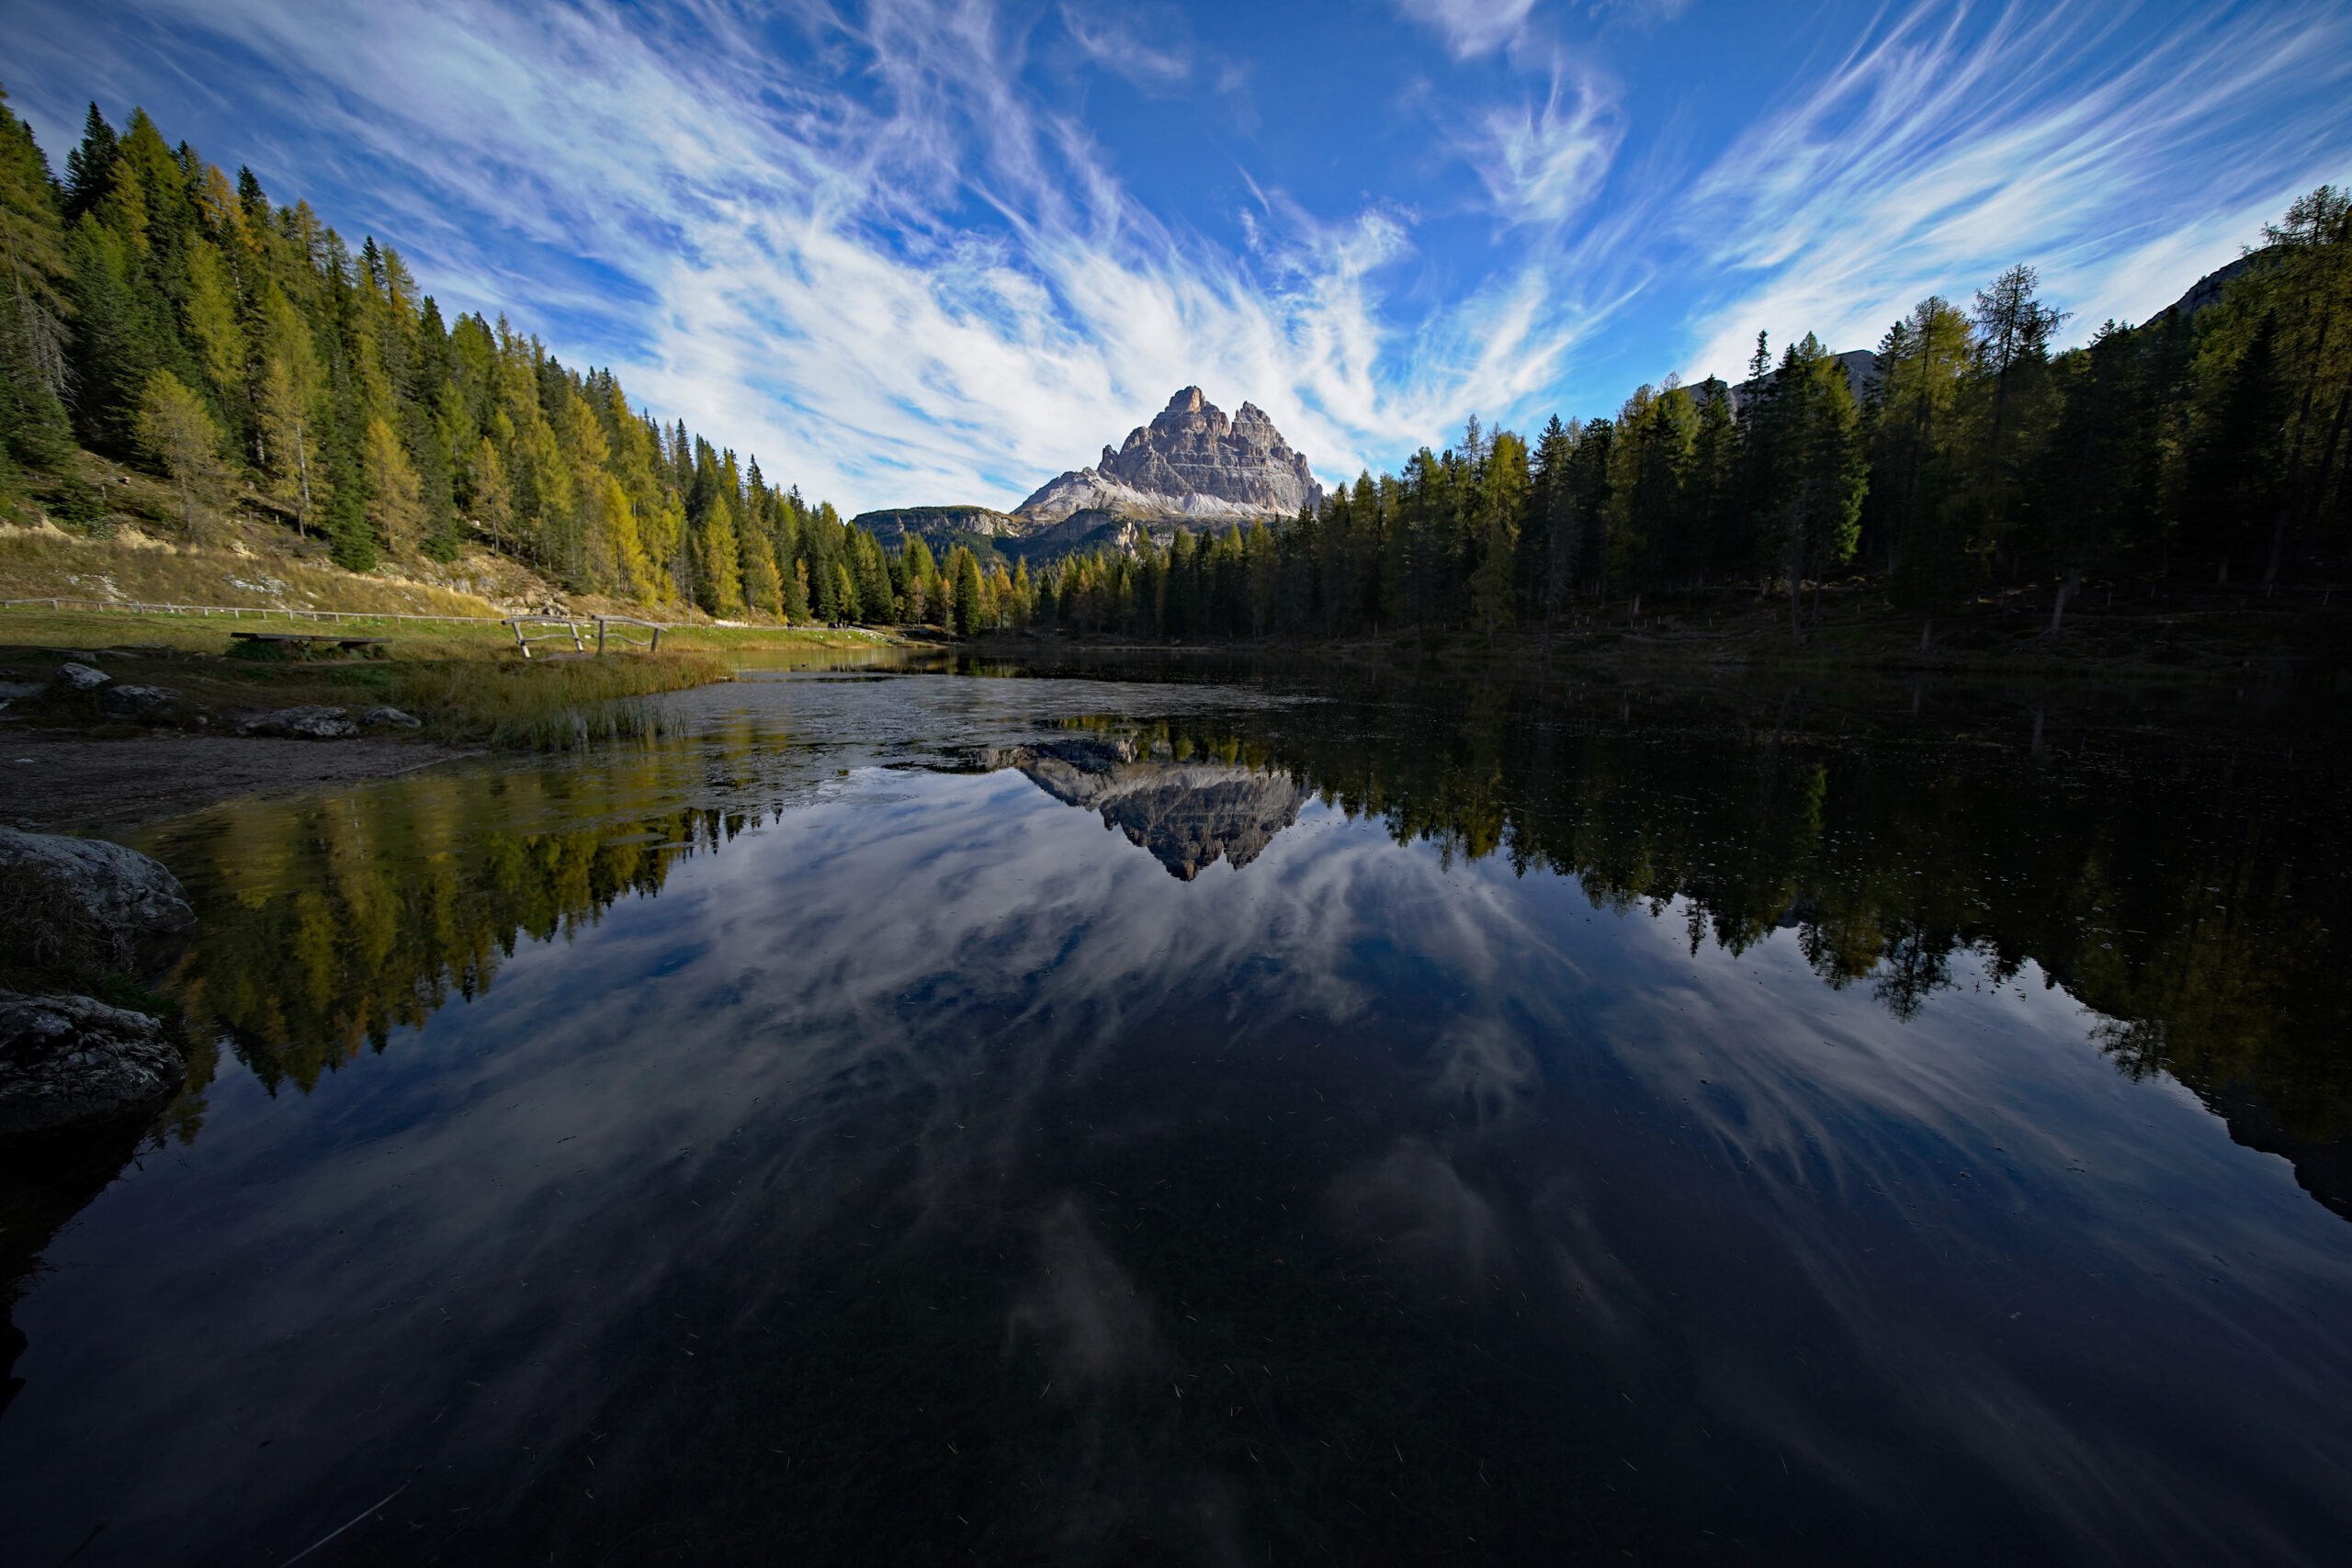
(966, 571)
(33, 424)
(722, 574)
(89, 168)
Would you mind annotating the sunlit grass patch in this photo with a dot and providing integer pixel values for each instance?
(548, 705)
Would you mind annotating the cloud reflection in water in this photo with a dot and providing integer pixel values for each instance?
(927, 1155)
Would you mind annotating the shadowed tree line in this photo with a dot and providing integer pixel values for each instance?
(1966, 454)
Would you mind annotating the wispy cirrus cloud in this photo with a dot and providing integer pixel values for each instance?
(1544, 162)
(1113, 42)
(938, 250)
(1471, 27)
(931, 286)
(1953, 141)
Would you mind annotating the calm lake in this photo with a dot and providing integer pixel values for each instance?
(1082, 1117)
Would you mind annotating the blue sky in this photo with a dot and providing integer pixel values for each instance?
(915, 252)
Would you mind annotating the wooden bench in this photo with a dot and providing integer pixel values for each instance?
(303, 640)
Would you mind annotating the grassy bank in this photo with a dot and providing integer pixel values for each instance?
(465, 682)
(548, 705)
(266, 572)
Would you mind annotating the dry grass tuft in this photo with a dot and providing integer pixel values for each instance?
(553, 705)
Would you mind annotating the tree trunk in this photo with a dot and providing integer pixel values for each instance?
(2066, 591)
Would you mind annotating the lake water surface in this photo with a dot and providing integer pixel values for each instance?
(909, 1117)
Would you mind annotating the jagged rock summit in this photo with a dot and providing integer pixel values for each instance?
(1189, 463)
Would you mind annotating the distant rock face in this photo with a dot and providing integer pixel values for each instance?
(1189, 462)
(891, 526)
(2207, 290)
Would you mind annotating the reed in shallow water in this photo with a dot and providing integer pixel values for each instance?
(549, 705)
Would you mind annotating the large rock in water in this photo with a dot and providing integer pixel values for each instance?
(68, 903)
(69, 1062)
(1189, 463)
(73, 908)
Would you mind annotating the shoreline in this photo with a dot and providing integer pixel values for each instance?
(62, 780)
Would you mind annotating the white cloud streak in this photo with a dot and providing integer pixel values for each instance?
(1472, 27)
(867, 247)
(931, 288)
(2121, 158)
(1544, 164)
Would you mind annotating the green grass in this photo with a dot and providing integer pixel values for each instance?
(548, 705)
(466, 683)
(27, 625)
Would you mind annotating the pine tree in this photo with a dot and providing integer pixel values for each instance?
(1502, 497)
(33, 424)
(89, 168)
(722, 571)
(763, 584)
(966, 575)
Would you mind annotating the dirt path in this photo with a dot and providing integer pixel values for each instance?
(52, 779)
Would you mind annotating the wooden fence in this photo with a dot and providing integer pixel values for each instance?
(569, 626)
(337, 617)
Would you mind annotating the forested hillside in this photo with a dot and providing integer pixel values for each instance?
(2209, 446)
(163, 314)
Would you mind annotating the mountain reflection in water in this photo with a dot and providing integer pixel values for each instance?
(1187, 814)
(1516, 1126)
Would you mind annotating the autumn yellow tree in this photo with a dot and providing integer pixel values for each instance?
(177, 432)
(395, 504)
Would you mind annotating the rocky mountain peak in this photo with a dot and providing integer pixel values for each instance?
(1189, 463)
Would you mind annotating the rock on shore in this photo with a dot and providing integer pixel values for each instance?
(66, 1061)
(71, 910)
(87, 903)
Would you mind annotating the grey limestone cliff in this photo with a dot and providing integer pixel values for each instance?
(1189, 463)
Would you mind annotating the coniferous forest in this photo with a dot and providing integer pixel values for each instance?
(1967, 455)
(162, 313)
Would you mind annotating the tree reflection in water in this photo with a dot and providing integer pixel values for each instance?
(2199, 903)
(1170, 1194)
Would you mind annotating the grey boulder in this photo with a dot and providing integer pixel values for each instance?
(390, 717)
(308, 723)
(68, 904)
(136, 702)
(68, 1061)
(79, 678)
